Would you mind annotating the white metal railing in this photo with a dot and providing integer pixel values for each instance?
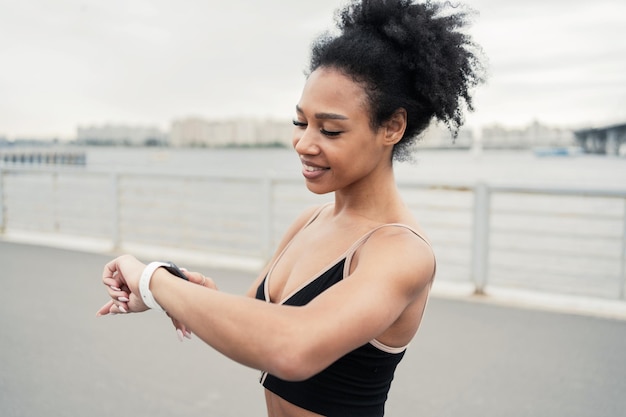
(564, 240)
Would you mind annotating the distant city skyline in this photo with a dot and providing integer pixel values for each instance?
(71, 63)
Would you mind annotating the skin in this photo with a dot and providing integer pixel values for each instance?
(342, 154)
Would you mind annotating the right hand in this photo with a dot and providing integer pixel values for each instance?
(199, 279)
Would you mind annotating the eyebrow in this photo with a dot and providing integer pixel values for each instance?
(332, 116)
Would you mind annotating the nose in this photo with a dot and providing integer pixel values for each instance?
(305, 141)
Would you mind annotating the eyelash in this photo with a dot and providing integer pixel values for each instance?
(329, 133)
(322, 131)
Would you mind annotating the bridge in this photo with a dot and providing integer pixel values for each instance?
(609, 140)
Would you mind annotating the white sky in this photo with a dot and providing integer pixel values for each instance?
(65, 63)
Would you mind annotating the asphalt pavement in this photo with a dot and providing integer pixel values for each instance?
(469, 359)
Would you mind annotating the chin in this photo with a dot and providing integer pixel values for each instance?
(317, 189)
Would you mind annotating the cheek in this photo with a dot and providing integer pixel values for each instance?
(295, 137)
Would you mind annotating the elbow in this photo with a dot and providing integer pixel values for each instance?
(293, 363)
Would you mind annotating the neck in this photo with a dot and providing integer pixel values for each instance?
(376, 198)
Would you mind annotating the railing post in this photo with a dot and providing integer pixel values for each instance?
(2, 211)
(480, 238)
(622, 286)
(267, 216)
(115, 210)
(56, 221)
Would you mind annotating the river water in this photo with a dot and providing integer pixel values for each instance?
(508, 166)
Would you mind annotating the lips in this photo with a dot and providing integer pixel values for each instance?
(311, 170)
(311, 166)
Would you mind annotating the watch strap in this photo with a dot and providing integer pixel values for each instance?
(144, 285)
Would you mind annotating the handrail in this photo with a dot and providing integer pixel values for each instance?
(472, 227)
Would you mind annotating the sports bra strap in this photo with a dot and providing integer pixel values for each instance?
(316, 214)
(346, 272)
(356, 245)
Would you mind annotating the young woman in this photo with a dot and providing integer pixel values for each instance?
(329, 318)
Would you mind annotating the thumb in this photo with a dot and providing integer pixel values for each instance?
(198, 278)
(105, 309)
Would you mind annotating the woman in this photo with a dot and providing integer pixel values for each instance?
(328, 320)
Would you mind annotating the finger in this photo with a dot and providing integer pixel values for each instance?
(121, 299)
(181, 330)
(198, 278)
(105, 309)
(118, 309)
(115, 282)
(135, 305)
(209, 283)
(112, 283)
(195, 277)
(110, 273)
(119, 295)
(110, 269)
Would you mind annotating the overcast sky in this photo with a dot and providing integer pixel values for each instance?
(65, 63)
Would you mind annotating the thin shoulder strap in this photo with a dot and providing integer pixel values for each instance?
(315, 215)
(364, 238)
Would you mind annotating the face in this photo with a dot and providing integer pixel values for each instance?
(333, 137)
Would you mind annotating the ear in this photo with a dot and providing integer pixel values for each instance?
(395, 126)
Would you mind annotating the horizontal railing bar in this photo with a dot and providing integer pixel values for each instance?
(562, 214)
(560, 190)
(555, 252)
(134, 191)
(576, 278)
(431, 185)
(544, 233)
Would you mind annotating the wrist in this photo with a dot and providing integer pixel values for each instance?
(144, 285)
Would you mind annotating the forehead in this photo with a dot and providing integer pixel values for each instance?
(329, 90)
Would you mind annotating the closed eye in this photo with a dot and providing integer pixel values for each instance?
(297, 123)
(330, 133)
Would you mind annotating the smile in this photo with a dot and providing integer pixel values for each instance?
(309, 168)
(312, 171)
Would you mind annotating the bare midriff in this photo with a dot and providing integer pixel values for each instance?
(277, 407)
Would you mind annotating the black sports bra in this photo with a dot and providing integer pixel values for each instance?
(358, 383)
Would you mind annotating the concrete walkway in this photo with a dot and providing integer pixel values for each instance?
(469, 359)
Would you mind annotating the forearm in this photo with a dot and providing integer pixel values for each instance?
(254, 333)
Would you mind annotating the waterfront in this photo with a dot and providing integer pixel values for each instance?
(521, 166)
(460, 363)
(224, 203)
(517, 166)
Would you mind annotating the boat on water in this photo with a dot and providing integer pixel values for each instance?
(558, 151)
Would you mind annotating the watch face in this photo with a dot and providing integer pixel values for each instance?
(175, 270)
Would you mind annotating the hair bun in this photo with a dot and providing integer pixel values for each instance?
(410, 54)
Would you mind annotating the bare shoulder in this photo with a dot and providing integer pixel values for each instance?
(401, 252)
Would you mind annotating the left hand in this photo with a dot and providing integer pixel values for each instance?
(121, 277)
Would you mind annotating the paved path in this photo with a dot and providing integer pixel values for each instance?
(468, 360)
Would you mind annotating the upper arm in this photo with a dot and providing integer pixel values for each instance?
(394, 269)
(294, 228)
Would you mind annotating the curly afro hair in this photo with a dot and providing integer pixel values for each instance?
(406, 55)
